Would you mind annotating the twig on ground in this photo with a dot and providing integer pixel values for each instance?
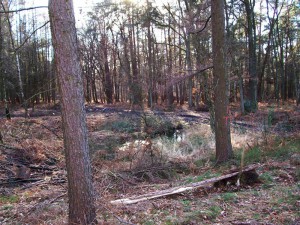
(20, 181)
(46, 202)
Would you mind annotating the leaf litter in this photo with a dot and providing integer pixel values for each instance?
(36, 143)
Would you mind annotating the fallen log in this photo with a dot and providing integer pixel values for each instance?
(183, 188)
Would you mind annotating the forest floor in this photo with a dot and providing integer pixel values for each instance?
(138, 152)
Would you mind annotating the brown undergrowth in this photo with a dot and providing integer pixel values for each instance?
(128, 161)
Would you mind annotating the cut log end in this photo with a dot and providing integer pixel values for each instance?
(249, 177)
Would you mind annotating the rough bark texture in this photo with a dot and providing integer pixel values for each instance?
(222, 120)
(81, 198)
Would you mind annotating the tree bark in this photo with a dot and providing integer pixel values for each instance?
(241, 87)
(135, 86)
(80, 189)
(150, 64)
(222, 120)
(108, 86)
(252, 62)
(170, 97)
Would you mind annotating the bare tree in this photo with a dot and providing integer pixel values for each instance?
(80, 189)
(252, 62)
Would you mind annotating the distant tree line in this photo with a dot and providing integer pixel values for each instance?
(26, 74)
(157, 54)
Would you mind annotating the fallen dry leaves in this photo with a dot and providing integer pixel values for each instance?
(37, 143)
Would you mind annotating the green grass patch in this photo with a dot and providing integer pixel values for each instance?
(276, 151)
(205, 176)
(186, 205)
(191, 217)
(212, 213)
(157, 126)
(229, 197)
(122, 126)
(7, 207)
(189, 180)
(285, 151)
(149, 222)
(267, 178)
(200, 162)
(290, 197)
(256, 216)
(253, 155)
(9, 199)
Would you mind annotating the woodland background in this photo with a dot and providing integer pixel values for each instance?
(157, 54)
(150, 94)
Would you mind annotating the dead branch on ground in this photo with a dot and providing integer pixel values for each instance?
(180, 189)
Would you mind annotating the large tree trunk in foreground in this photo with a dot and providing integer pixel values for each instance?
(81, 199)
(222, 120)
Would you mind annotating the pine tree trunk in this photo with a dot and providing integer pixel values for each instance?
(80, 190)
(221, 106)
